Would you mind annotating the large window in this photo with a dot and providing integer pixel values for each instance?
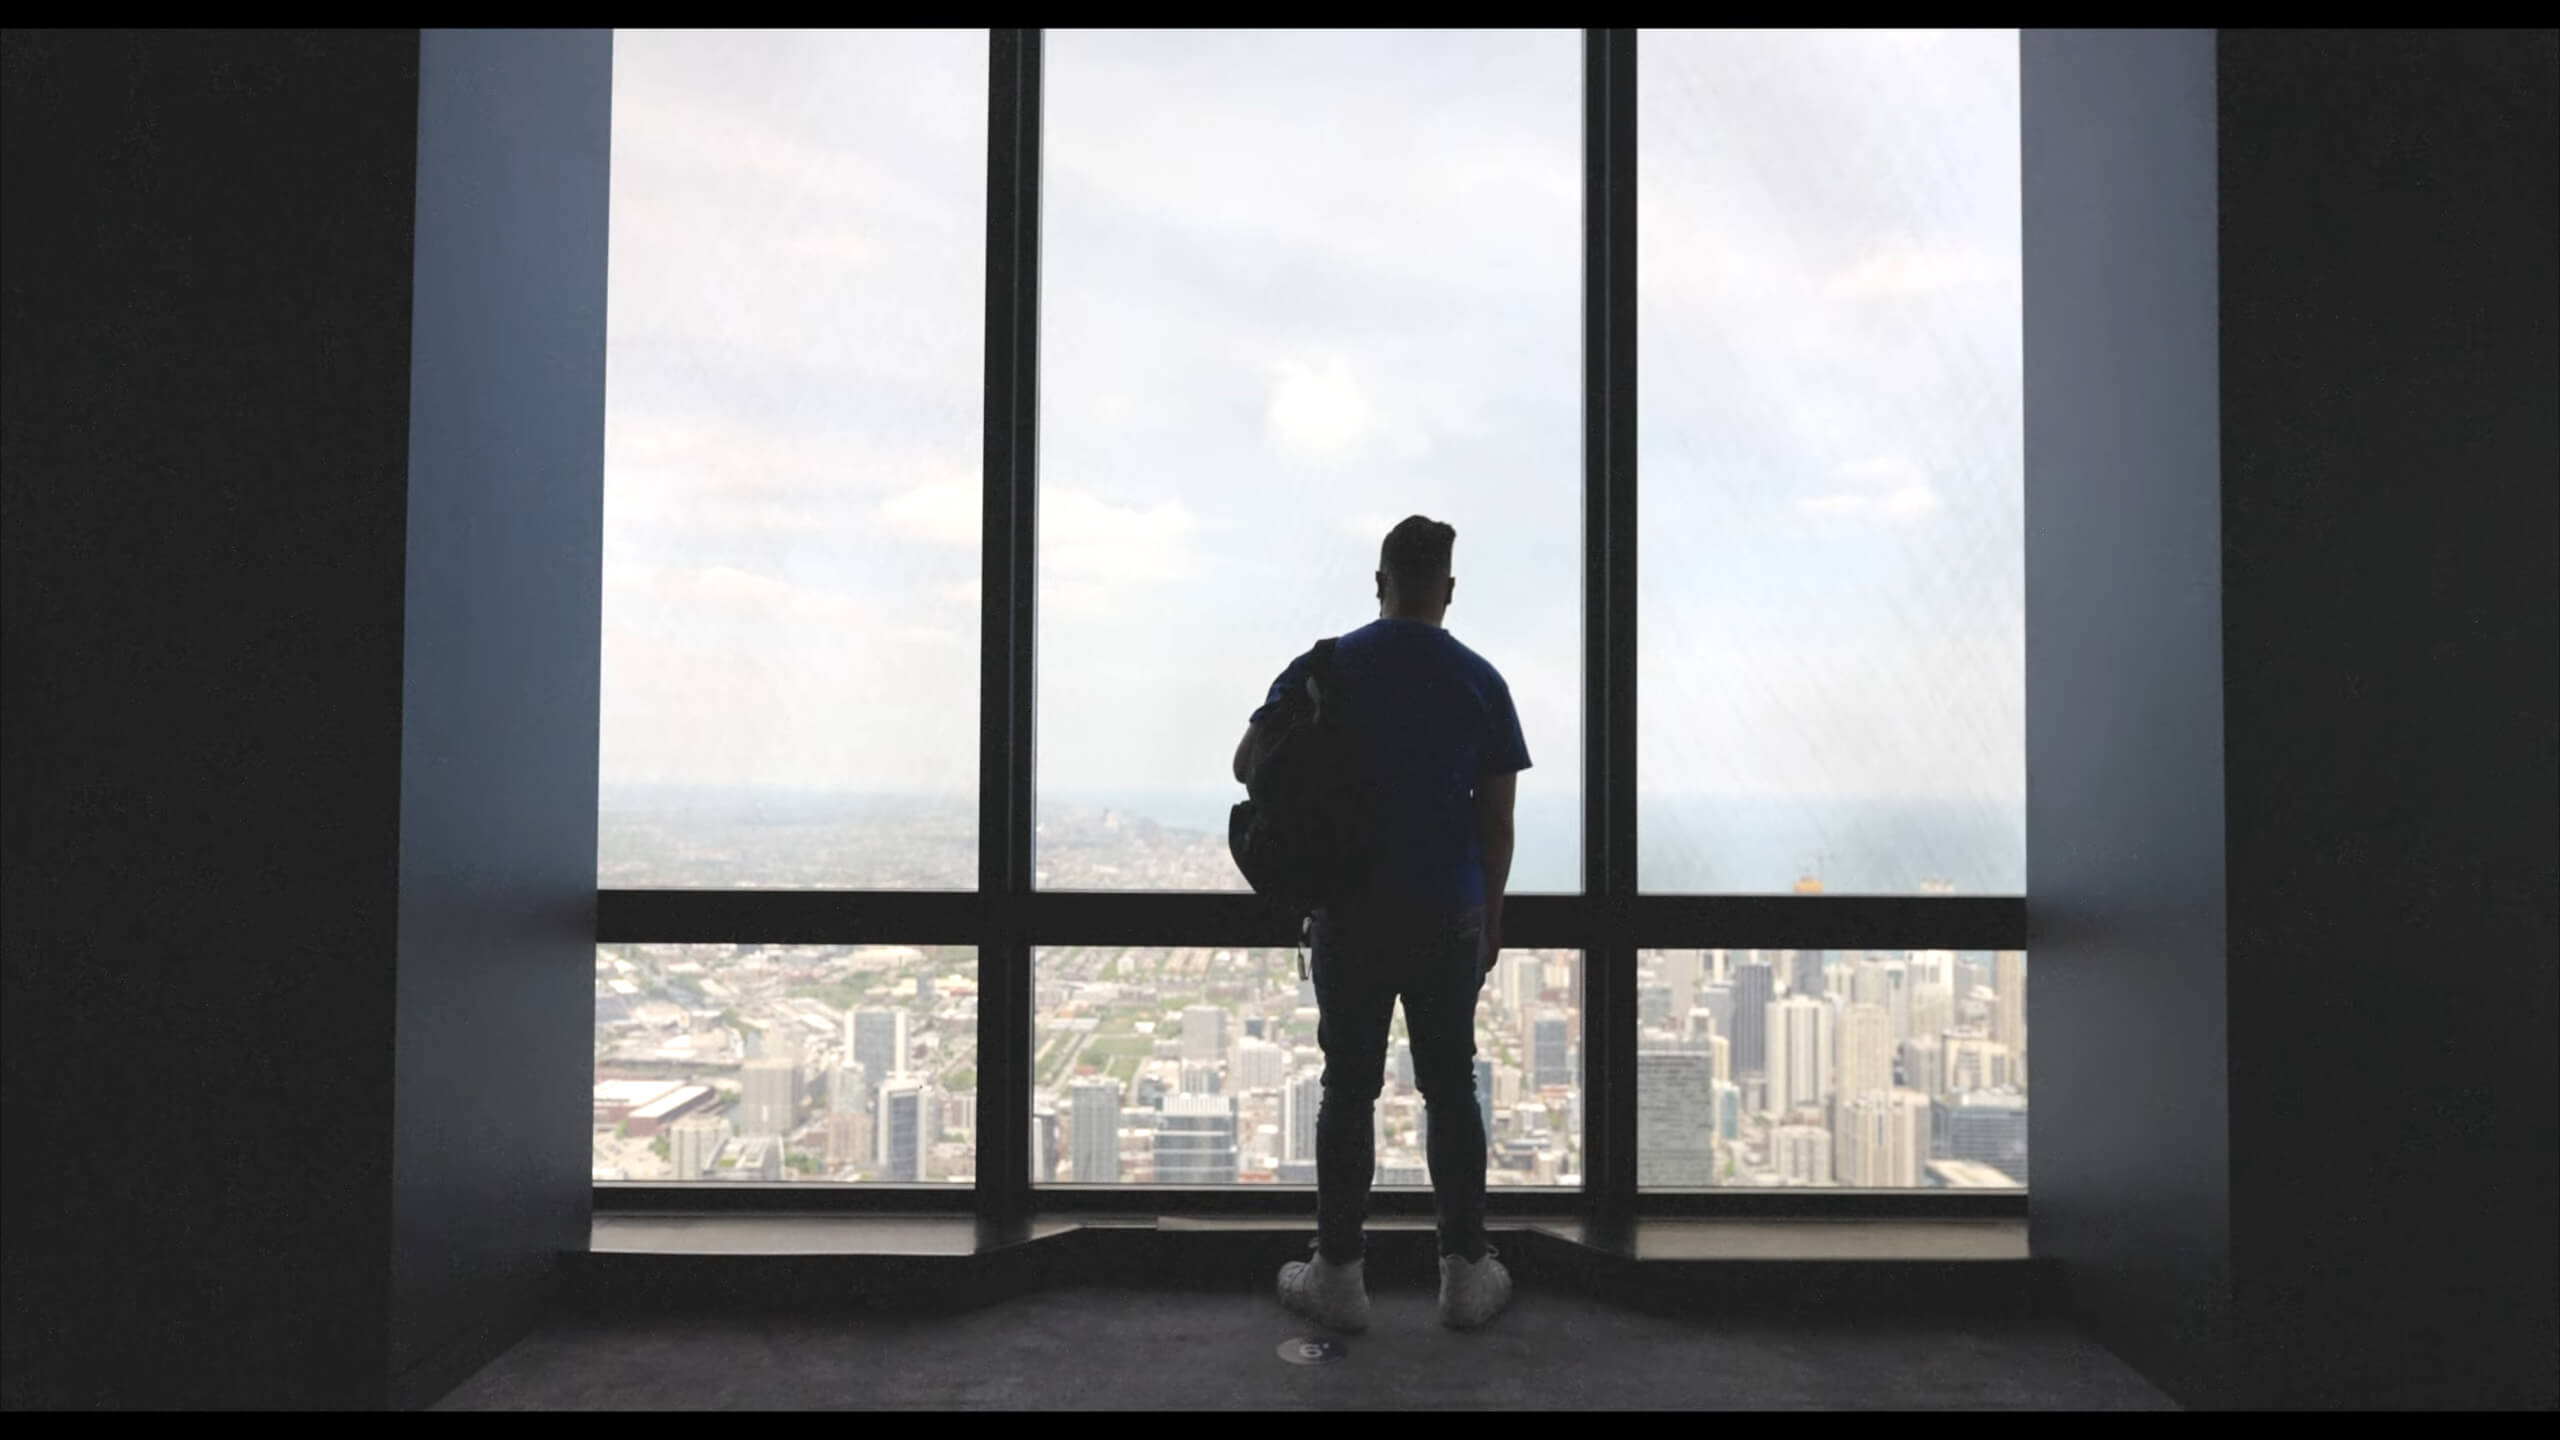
(991, 417)
(1870, 1070)
(792, 435)
(1201, 1067)
(1831, 552)
(1296, 286)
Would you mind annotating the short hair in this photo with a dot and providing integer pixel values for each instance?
(1417, 550)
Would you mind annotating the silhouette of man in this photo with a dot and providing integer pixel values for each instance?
(1440, 751)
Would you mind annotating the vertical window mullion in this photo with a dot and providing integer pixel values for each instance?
(1005, 659)
(1609, 679)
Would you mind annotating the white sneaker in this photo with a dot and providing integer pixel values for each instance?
(1472, 1292)
(1334, 1296)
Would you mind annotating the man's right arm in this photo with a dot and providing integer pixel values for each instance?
(1495, 794)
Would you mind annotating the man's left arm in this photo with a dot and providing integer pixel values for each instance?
(1244, 751)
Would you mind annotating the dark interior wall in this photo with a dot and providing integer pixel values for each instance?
(203, 441)
(2124, 692)
(2389, 469)
(498, 794)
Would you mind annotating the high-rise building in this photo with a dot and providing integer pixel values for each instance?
(900, 1129)
(1801, 1154)
(1728, 1110)
(1484, 1093)
(1717, 1001)
(1977, 1062)
(848, 1139)
(1807, 978)
(1204, 1032)
(1684, 971)
(1924, 1066)
(2009, 1008)
(1721, 1050)
(849, 1090)
(1886, 981)
(1299, 1100)
(1404, 1066)
(1933, 1009)
(877, 1036)
(1200, 1077)
(1094, 1106)
(1755, 985)
(693, 1141)
(1550, 1057)
(1866, 1050)
(1653, 1004)
(770, 1104)
(1675, 1135)
(1195, 1141)
(1986, 1127)
(1044, 1145)
(1800, 1049)
(1259, 1064)
(1884, 1139)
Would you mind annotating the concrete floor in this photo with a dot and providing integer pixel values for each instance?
(1085, 1349)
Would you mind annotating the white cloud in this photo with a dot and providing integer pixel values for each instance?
(1321, 414)
(1893, 491)
(1905, 268)
(947, 509)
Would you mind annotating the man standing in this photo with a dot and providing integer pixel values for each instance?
(1439, 752)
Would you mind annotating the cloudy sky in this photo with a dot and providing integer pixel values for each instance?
(1297, 285)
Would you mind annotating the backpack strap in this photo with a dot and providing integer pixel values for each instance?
(1320, 670)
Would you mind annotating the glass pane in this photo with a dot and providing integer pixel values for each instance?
(773, 1063)
(1869, 1069)
(1296, 286)
(795, 332)
(1830, 544)
(1200, 1067)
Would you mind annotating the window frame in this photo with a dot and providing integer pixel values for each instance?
(1007, 916)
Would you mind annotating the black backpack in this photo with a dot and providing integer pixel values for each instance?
(1294, 836)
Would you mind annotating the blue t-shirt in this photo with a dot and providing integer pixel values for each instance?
(1433, 717)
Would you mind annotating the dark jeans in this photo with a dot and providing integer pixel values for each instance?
(1364, 963)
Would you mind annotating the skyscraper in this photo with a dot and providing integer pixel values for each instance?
(1924, 1067)
(1884, 1139)
(2009, 1008)
(1755, 985)
(1044, 1145)
(693, 1141)
(1095, 1109)
(1987, 1127)
(1866, 1050)
(1404, 1065)
(1204, 1032)
(1675, 1095)
(1977, 1062)
(1717, 1001)
(1808, 976)
(1800, 1049)
(1933, 1009)
(1801, 1154)
(1200, 1077)
(1484, 1092)
(1195, 1142)
(900, 1129)
(850, 1091)
(1549, 1056)
(1259, 1064)
(770, 1105)
(1684, 971)
(1299, 1099)
(1653, 1004)
(877, 1037)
